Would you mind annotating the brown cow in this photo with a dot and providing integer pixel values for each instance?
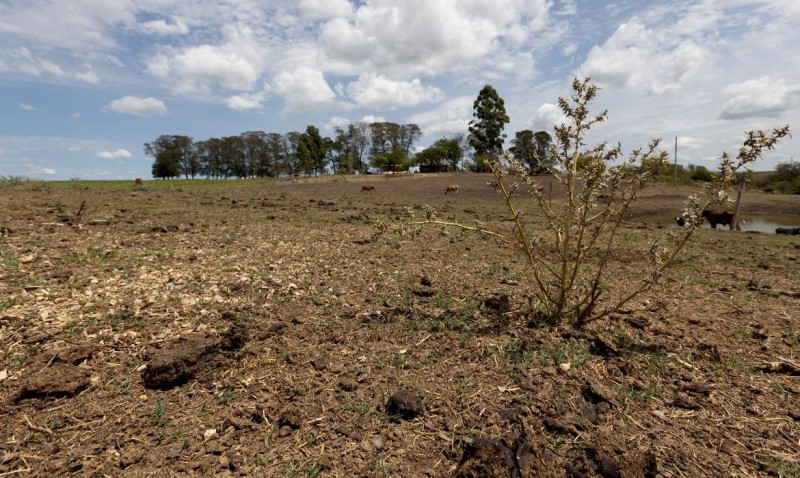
(138, 181)
(718, 216)
(367, 188)
(453, 188)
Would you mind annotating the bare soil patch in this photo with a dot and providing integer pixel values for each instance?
(258, 329)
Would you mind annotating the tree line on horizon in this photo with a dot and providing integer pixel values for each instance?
(359, 147)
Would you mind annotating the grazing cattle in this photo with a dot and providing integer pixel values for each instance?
(680, 220)
(138, 181)
(789, 231)
(367, 188)
(717, 216)
(453, 188)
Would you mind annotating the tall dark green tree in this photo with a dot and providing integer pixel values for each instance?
(189, 165)
(379, 138)
(486, 130)
(360, 137)
(533, 150)
(387, 137)
(544, 150)
(277, 150)
(444, 152)
(312, 150)
(232, 154)
(209, 155)
(393, 161)
(431, 159)
(165, 167)
(342, 150)
(291, 161)
(523, 149)
(174, 155)
(255, 152)
(407, 135)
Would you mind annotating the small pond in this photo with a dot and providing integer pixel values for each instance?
(749, 222)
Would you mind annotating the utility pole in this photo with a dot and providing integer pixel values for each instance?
(675, 166)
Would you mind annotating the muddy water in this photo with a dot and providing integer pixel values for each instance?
(768, 223)
(749, 222)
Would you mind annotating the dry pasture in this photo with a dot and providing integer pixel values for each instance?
(255, 328)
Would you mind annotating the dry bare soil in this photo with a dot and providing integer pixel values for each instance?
(255, 328)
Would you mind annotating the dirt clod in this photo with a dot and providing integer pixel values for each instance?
(405, 405)
(487, 458)
(178, 362)
(499, 303)
(290, 417)
(58, 380)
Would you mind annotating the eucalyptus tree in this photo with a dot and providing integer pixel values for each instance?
(277, 150)
(486, 130)
(291, 162)
(312, 150)
(387, 137)
(254, 151)
(360, 137)
(407, 135)
(343, 150)
(231, 151)
(533, 150)
(174, 155)
(209, 157)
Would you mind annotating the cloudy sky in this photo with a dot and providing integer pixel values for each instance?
(85, 83)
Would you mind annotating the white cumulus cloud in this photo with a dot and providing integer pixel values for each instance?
(120, 153)
(26, 107)
(245, 101)
(638, 56)
(213, 70)
(546, 116)
(303, 89)
(377, 91)
(426, 37)
(198, 68)
(451, 117)
(763, 97)
(132, 105)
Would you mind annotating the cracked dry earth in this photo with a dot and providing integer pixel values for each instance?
(257, 329)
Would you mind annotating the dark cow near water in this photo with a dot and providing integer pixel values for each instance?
(789, 231)
(714, 217)
(717, 216)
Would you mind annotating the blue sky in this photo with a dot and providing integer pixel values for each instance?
(85, 83)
